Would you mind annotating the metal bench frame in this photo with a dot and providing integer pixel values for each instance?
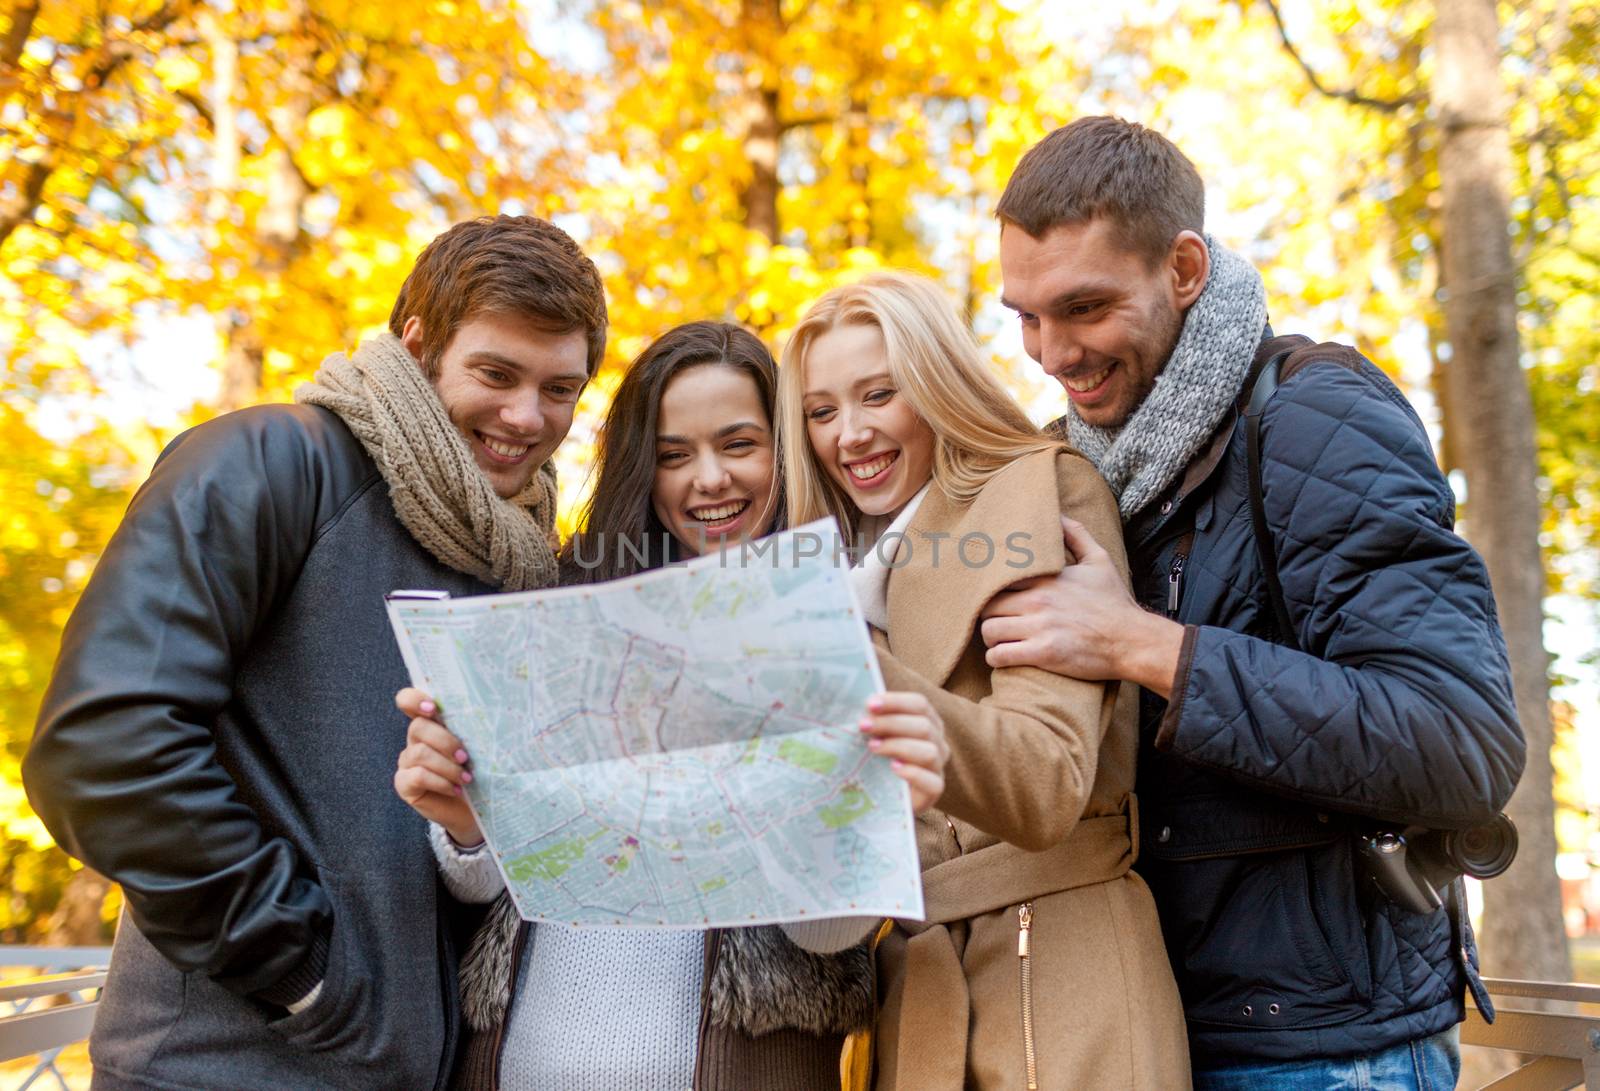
(27, 1029)
(1563, 1041)
(1564, 1044)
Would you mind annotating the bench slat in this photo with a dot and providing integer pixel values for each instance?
(56, 958)
(50, 985)
(50, 1028)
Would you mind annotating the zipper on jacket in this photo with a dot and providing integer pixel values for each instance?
(1025, 964)
(1175, 576)
(953, 835)
(524, 930)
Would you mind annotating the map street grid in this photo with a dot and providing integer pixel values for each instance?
(675, 749)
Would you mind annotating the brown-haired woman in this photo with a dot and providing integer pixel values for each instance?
(687, 463)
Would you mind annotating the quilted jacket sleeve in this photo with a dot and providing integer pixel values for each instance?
(1400, 707)
(123, 768)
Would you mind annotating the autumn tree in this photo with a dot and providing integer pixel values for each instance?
(1450, 164)
(56, 506)
(755, 150)
(275, 166)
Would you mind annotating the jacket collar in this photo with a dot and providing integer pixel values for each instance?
(934, 607)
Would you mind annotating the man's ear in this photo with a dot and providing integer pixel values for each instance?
(411, 337)
(1190, 264)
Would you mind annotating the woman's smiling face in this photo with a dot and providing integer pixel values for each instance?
(714, 459)
(863, 432)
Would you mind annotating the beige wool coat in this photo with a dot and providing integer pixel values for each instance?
(1031, 845)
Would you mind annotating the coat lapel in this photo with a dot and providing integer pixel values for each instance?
(934, 607)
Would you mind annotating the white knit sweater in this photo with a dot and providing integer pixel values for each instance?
(596, 1009)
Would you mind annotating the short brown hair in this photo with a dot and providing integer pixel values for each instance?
(1103, 166)
(519, 266)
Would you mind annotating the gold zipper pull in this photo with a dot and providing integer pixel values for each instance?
(1024, 928)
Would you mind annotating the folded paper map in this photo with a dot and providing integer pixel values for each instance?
(679, 748)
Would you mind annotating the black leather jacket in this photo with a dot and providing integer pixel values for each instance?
(220, 738)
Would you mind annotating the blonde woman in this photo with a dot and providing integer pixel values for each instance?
(1041, 963)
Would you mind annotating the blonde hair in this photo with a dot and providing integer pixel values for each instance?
(935, 364)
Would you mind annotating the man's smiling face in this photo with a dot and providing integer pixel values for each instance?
(1098, 317)
(510, 387)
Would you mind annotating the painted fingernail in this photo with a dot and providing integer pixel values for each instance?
(875, 704)
(466, 778)
(461, 756)
(458, 789)
(874, 744)
(429, 708)
(896, 764)
(865, 725)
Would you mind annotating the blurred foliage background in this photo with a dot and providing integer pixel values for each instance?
(199, 199)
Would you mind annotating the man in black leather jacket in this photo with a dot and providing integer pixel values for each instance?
(1263, 753)
(220, 736)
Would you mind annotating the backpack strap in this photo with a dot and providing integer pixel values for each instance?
(1266, 384)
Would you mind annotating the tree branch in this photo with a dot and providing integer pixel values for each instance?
(1344, 95)
(16, 39)
(20, 206)
(806, 121)
(119, 52)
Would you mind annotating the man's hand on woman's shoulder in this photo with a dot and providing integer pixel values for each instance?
(1082, 623)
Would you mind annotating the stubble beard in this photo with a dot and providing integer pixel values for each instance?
(1169, 320)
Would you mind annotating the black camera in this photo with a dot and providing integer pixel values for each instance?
(1413, 866)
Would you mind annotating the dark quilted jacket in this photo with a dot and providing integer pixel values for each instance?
(1255, 779)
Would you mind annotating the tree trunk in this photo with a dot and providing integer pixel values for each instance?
(241, 362)
(762, 24)
(76, 921)
(22, 16)
(278, 232)
(1490, 419)
(857, 122)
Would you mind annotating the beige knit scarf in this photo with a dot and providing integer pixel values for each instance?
(439, 494)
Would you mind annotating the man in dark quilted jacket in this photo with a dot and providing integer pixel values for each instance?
(1265, 755)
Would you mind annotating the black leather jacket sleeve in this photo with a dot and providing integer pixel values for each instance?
(123, 768)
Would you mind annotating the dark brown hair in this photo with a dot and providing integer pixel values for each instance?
(520, 266)
(619, 532)
(1103, 166)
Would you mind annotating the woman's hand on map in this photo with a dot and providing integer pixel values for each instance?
(905, 728)
(433, 769)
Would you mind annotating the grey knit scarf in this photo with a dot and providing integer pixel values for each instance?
(439, 493)
(1200, 381)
